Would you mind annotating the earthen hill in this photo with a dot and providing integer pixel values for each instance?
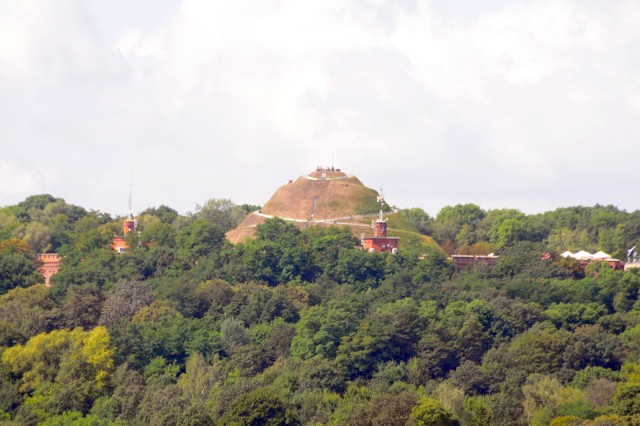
(327, 197)
(323, 197)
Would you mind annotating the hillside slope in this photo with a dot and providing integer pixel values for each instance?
(325, 199)
(337, 199)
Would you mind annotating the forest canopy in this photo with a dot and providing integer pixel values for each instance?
(302, 327)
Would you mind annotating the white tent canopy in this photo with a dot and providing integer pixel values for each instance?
(583, 255)
(601, 255)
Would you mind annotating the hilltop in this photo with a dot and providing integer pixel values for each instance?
(328, 198)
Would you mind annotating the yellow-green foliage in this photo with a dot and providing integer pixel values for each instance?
(429, 412)
(401, 222)
(545, 398)
(97, 352)
(412, 242)
(62, 356)
(154, 312)
(566, 421)
(626, 400)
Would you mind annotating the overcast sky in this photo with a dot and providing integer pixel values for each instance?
(525, 104)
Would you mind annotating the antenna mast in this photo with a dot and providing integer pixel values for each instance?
(130, 192)
(381, 201)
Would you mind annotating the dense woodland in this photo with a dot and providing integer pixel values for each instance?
(301, 328)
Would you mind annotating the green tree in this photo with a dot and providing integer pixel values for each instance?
(28, 311)
(384, 409)
(321, 329)
(18, 265)
(127, 298)
(277, 254)
(198, 379)
(65, 370)
(451, 220)
(430, 412)
(161, 404)
(166, 214)
(82, 306)
(396, 329)
(199, 239)
(325, 246)
(259, 407)
(537, 350)
(420, 220)
(38, 236)
(221, 212)
(361, 269)
(10, 226)
(74, 418)
(570, 315)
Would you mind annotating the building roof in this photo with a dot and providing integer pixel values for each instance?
(582, 255)
(601, 255)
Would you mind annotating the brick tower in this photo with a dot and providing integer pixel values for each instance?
(380, 242)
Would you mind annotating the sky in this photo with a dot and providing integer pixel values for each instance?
(522, 104)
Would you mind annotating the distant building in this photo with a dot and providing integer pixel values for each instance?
(633, 259)
(119, 242)
(380, 242)
(50, 266)
(462, 261)
(585, 258)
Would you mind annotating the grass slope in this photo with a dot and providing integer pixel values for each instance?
(333, 199)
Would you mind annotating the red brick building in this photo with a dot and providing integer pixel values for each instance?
(462, 261)
(119, 243)
(50, 266)
(380, 242)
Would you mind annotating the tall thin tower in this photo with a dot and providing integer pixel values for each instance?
(130, 196)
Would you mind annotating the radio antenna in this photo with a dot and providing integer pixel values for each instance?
(130, 192)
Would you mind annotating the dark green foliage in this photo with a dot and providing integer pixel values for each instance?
(321, 329)
(161, 403)
(301, 327)
(259, 407)
(265, 305)
(590, 346)
(195, 415)
(198, 239)
(420, 220)
(586, 376)
(82, 306)
(395, 329)
(506, 406)
(25, 312)
(277, 255)
(434, 358)
(318, 373)
(38, 202)
(165, 214)
(325, 246)
(385, 409)
(570, 315)
(361, 269)
(435, 268)
(97, 268)
(18, 266)
(127, 298)
(223, 213)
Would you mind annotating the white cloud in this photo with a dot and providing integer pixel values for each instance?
(231, 98)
